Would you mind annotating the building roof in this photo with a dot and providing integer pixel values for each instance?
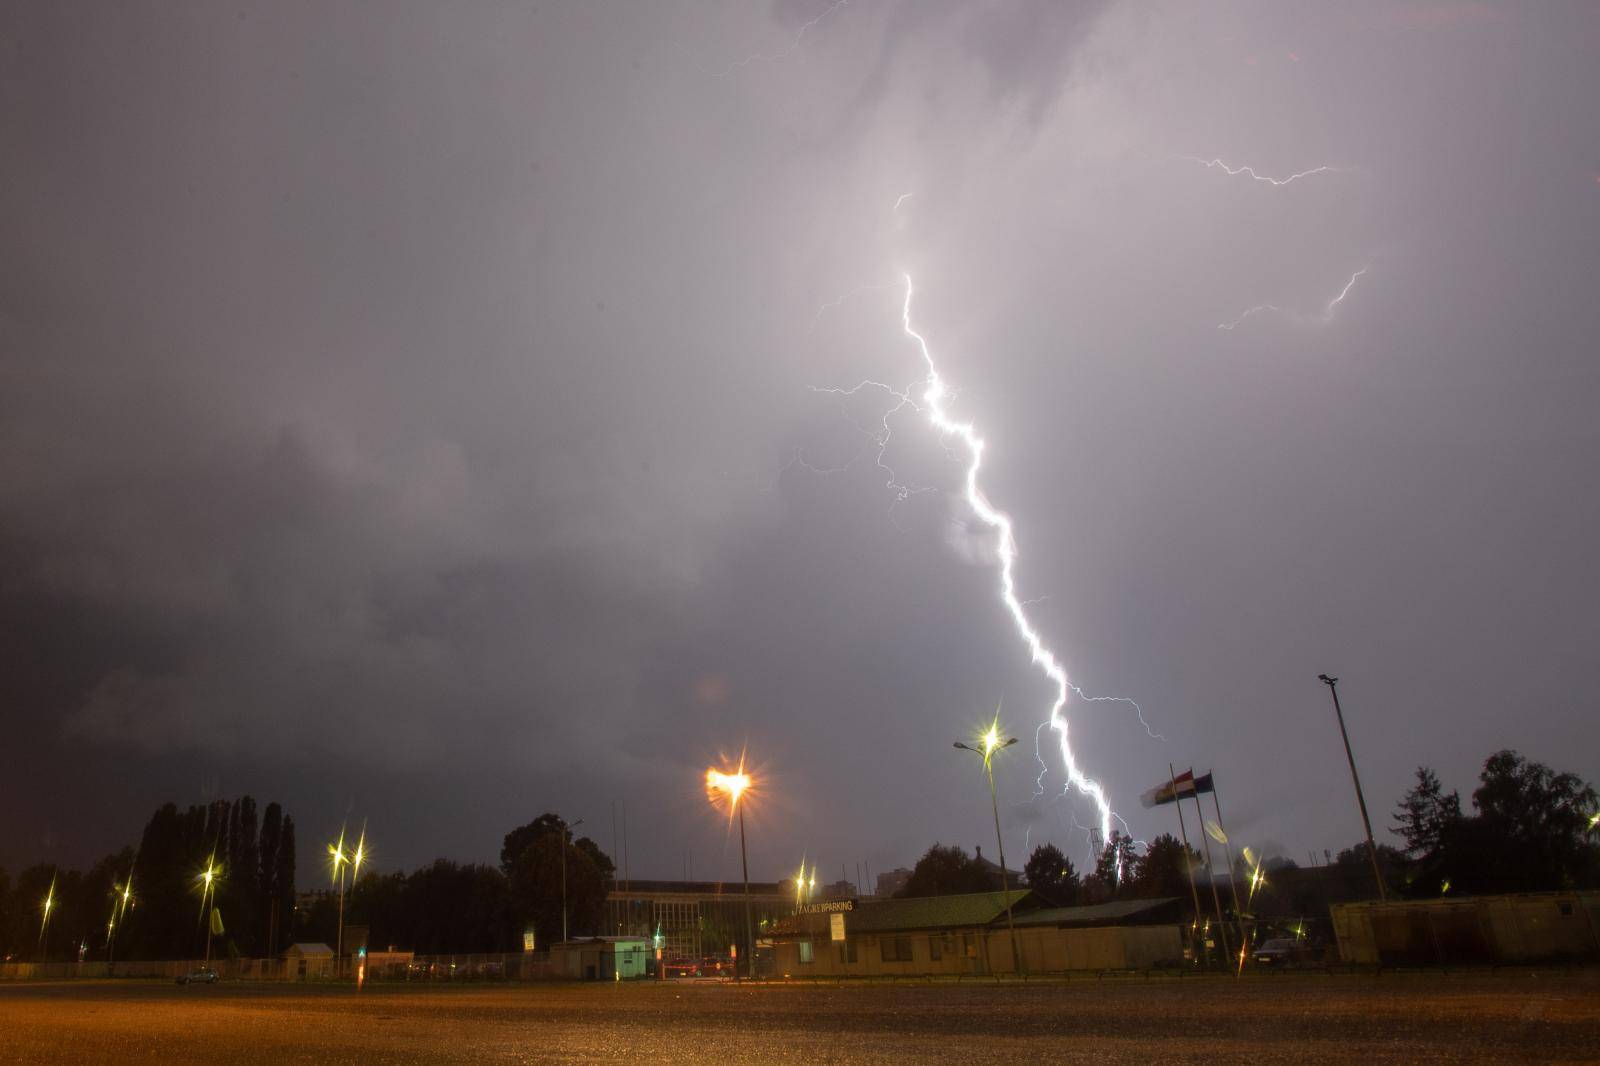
(932, 912)
(1120, 912)
(308, 949)
(639, 888)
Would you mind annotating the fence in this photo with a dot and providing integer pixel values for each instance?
(507, 966)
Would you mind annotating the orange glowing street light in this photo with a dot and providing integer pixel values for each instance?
(733, 786)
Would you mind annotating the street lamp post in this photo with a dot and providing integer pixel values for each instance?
(1361, 801)
(991, 744)
(208, 888)
(566, 837)
(734, 786)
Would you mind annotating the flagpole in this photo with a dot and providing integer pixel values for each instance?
(1216, 898)
(1227, 853)
(1183, 832)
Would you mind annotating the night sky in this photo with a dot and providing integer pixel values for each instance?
(411, 412)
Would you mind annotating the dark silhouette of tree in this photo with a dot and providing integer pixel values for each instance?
(441, 908)
(517, 841)
(946, 871)
(531, 860)
(1115, 871)
(1165, 869)
(1425, 814)
(283, 884)
(269, 922)
(1051, 876)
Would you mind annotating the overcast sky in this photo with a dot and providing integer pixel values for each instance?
(410, 411)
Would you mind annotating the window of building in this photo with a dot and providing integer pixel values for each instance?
(847, 950)
(935, 948)
(895, 948)
(805, 950)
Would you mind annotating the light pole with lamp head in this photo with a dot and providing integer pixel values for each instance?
(992, 743)
(566, 837)
(734, 786)
(1361, 801)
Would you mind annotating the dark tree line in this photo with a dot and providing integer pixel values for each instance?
(450, 907)
(1531, 829)
(1120, 872)
(254, 893)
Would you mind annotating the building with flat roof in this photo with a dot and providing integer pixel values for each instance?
(969, 934)
(694, 918)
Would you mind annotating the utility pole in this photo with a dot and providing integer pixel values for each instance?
(1361, 800)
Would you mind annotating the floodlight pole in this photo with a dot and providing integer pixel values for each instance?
(1361, 800)
(566, 835)
(1005, 884)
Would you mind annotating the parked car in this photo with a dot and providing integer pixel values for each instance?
(199, 977)
(1279, 952)
(681, 966)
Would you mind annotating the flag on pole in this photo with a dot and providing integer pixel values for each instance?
(1173, 790)
(1203, 783)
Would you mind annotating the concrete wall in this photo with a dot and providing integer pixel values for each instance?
(1484, 929)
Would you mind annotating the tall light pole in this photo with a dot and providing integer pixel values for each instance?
(992, 743)
(733, 786)
(566, 837)
(1361, 801)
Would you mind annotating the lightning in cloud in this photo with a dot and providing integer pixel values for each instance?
(783, 53)
(1250, 172)
(1321, 318)
(902, 199)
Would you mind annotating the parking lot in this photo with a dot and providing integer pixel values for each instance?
(1505, 1016)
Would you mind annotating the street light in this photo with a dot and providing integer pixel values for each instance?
(566, 837)
(992, 743)
(208, 887)
(733, 786)
(44, 923)
(1361, 801)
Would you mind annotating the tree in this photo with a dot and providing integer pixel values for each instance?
(1426, 814)
(1051, 876)
(1536, 823)
(517, 841)
(1115, 870)
(538, 894)
(1167, 869)
(269, 923)
(946, 871)
(531, 859)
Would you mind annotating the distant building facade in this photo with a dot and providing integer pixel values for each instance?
(694, 918)
(969, 934)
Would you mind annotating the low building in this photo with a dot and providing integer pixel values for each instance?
(308, 960)
(1529, 927)
(969, 934)
(600, 958)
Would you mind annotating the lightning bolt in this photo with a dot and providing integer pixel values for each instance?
(1323, 318)
(934, 394)
(1250, 172)
(783, 53)
(902, 199)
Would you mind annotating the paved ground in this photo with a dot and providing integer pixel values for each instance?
(1290, 1018)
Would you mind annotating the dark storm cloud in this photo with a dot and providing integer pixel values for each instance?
(410, 411)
